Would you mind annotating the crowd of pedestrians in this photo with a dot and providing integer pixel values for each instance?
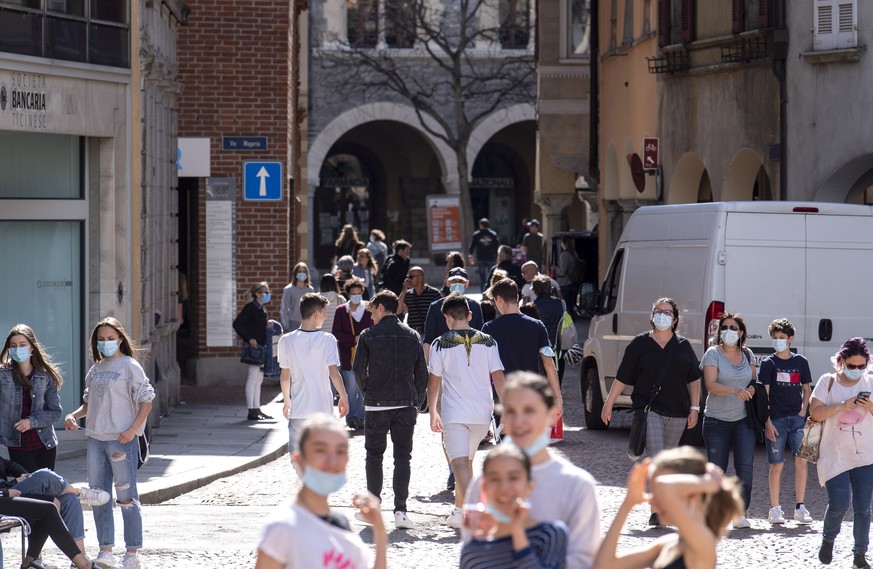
(399, 346)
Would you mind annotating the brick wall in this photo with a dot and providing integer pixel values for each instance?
(234, 70)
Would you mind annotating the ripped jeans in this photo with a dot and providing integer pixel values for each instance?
(116, 475)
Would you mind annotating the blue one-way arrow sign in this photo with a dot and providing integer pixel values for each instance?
(262, 181)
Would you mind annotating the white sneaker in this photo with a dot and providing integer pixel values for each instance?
(402, 521)
(360, 517)
(93, 496)
(130, 561)
(105, 559)
(802, 515)
(742, 523)
(775, 516)
(456, 518)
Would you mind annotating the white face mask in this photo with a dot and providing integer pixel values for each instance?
(779, 344)
(730, 337)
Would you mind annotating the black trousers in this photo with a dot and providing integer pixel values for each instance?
(33, 460)
(400, 423)
(45, 522)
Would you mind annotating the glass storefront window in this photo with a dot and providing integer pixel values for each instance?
(44, 291)
(32, 4)
(20, 32)
(23, 160)
(110, 11)
(69, 7)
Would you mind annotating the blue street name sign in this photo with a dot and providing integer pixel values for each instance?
(244, 143)
(262, 181)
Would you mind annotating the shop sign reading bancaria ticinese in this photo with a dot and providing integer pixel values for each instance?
(25, 96)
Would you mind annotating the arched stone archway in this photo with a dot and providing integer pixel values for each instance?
(610, 178)
(746, 179)
(494, 123)
(686, 179)
(848, 182)
(329, 135)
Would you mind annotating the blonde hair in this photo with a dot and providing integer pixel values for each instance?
(255, 289)
(38, 357)
(294, 273)
(721, 507)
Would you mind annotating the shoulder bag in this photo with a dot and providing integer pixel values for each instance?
(810, 446)
(253, 356)
(636, 446)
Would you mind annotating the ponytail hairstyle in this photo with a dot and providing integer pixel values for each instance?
(39, 359)
(125, 344)
(722, 507)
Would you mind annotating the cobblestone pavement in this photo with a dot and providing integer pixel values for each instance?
(218, 525)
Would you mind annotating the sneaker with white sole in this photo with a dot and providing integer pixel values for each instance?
(775, 517)
(105, 559)
(456, 518)
(402, 521)
(802, 515)
(130, 561)
(93, 496)
(742, 522)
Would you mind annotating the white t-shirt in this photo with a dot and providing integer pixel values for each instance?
(847, 437)
(301, 540)
(465, 359)
(562, 492)
(308, 354)
(527, 290)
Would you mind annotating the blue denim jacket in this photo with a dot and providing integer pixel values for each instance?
(45, 411)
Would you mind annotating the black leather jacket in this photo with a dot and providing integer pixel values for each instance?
(389, 365)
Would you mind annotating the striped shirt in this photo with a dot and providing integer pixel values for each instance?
(417, 305)
(547, 550)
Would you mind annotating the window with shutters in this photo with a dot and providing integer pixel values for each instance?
(688, 20)
(647, 17)
(835, 24)
(665, 20)
(738, 16)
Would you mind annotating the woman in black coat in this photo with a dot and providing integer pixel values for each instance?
(251, 326)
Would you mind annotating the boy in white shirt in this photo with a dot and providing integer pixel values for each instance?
(463, 363)
(309, 360)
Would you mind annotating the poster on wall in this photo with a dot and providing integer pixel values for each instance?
(220, 261)
(444, 223)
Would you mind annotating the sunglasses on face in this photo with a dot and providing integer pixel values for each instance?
(858, 366)
(733, 327)
(664, 312)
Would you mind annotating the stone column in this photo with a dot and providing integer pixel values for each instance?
(554, 211)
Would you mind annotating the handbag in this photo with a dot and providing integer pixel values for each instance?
(636, 444)
(253, 356)
(810, 445)
(143, 439)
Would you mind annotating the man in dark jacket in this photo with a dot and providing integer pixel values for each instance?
(391, 373)
(394, 270)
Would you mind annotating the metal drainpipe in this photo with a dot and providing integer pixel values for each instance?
(780, 69)
(593, 98)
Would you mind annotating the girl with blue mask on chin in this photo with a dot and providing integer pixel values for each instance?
(517, 539)
(117, 401)
(562, 492)
(29, 403)
(305, 532)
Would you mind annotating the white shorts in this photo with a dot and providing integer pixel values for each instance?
(461, 440)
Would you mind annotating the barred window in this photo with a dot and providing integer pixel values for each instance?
(514, 24)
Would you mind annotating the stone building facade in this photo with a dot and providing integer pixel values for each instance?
(87, 216)
(370, 160)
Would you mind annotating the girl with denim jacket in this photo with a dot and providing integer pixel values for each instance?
(117, 401)
(29, 402)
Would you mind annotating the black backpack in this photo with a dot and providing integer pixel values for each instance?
(577, 273)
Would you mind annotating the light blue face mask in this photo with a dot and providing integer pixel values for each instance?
(109, 348)
(266, 298)
(457, 287)
(20, 355)
(498, 515)
(301, 276)
(323, 483)
(662, 321)
(539, 444)
(853, 374)
(356, 298)
(779, 344)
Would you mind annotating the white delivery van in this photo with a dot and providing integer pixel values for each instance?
(809, 262)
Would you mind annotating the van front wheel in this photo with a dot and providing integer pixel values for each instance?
(593, 399)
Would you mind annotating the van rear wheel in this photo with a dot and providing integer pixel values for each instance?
(593, 399)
